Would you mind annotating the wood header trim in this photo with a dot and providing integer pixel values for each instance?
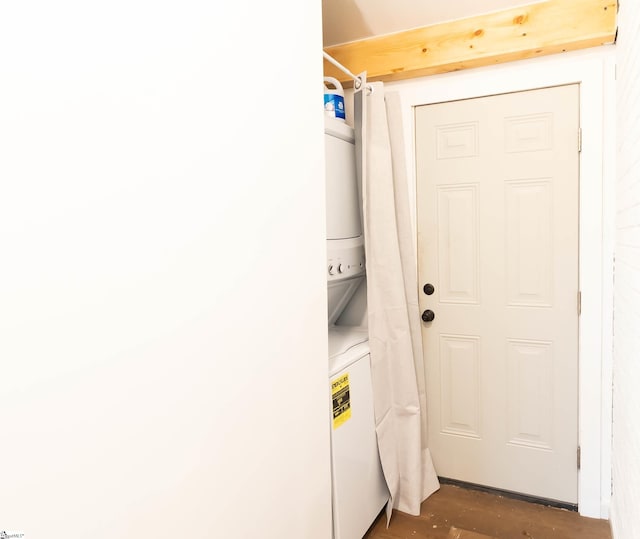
(539, 29)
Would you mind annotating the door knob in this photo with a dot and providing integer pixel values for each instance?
(428, 289)
(428, 316)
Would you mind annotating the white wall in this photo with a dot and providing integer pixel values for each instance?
(162, 290)
(625, 515)
(594, 70)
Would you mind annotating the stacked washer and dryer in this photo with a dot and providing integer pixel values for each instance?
(359, 489)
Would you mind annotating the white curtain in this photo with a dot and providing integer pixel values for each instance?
(393, 312)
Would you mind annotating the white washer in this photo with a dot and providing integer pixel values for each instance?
(359, 489)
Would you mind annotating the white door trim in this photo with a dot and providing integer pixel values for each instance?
(595, 72)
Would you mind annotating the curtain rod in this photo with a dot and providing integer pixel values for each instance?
(357, 80)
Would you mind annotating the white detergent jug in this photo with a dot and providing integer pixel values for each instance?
(334, 99)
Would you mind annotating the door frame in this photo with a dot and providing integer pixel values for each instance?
(594, 71)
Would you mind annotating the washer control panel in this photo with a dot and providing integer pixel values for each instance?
(345, 263)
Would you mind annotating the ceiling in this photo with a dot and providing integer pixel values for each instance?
(351, 20)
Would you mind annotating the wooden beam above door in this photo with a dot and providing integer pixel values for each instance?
(548, 27)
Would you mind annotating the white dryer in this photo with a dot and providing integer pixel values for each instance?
(345, 242)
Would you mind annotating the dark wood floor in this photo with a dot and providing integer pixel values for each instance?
(460, 513)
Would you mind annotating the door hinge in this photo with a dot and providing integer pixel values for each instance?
(579, 302)
(579, 139)
(578, 457)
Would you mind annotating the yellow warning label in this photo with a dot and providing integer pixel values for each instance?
(341, 400)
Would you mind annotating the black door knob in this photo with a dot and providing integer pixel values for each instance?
(428, 316)
(428, 289)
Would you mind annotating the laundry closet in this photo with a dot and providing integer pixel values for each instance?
(359, 491)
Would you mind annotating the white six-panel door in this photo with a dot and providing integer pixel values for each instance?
(497, 191)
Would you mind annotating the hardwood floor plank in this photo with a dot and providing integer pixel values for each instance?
(457, 533)
(488, 516)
